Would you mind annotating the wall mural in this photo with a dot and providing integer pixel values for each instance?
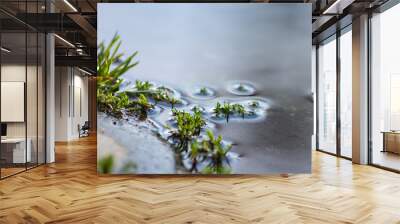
(204, 88)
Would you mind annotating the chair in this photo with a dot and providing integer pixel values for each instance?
(84, 130)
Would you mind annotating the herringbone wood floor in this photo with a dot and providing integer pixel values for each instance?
(70, 191)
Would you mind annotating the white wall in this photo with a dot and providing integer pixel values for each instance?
(12, 73)
(81, 83)
(62, 82)
(71, 102)
(17, 73)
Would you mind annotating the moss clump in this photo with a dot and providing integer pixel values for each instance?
(129, 167)
(112, 104)
(241, 88)
(254, 104)
(110, 99)
(203, 91)
(106, 164)
(143, 86)
(212, 148)
(188, 127)
(160, 94)
(140, 107)
(228, 109)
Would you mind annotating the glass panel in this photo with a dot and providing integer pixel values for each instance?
(346, 94)
(32, 88)
(13, 86)
(385, 93)
(41, 98)
(32, 95)
(313, 89)
(23, 90)
(2, 161)
(327, 96)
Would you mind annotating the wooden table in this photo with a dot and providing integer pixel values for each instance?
(391, 141)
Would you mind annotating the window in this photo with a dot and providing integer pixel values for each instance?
(327, 95)
(385, 89)
(22, 88)
(346, 93)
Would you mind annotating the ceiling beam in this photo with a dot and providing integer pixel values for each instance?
(89, 30)
(337, 7)
(77, 61)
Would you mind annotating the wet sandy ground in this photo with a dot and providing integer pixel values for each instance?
(275, 142)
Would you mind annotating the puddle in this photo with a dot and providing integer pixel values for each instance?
(203, 93)
(241, 88)
(161, 123)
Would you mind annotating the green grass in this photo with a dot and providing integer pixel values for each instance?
(109, 98)
(108, 77)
